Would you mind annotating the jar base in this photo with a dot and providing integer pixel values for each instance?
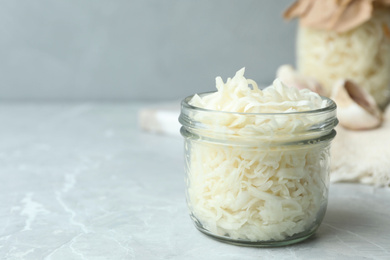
(293, 240)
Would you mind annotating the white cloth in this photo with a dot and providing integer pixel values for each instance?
(362, 156)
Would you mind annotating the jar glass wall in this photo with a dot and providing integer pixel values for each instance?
(257, 189)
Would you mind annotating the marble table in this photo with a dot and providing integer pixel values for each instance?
(80, 181)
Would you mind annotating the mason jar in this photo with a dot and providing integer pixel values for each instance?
(261, 180)
(361, 54)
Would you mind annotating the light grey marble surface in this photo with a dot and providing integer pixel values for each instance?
(80, 181)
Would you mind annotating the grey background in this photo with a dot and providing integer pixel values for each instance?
(137, 49)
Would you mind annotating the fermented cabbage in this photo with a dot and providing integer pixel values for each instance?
(361, 54)
(257, 191)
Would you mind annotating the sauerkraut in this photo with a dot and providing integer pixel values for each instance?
(256, 190)
(361, 54)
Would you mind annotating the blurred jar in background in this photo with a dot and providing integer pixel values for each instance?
(345, 39)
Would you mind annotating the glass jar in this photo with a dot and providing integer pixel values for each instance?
(257, 186)
(361, 54)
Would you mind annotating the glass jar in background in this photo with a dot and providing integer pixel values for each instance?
(361, 54)
(260, 187)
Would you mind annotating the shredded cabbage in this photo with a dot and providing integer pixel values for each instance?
(361, 54)
(251, 192)
(243, 95)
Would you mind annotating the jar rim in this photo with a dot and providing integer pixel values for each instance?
(310, 126)
(331, 106)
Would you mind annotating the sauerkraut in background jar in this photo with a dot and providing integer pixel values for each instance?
(257, 161)
(345, 40)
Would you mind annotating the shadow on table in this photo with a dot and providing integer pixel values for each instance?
(346, 219)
